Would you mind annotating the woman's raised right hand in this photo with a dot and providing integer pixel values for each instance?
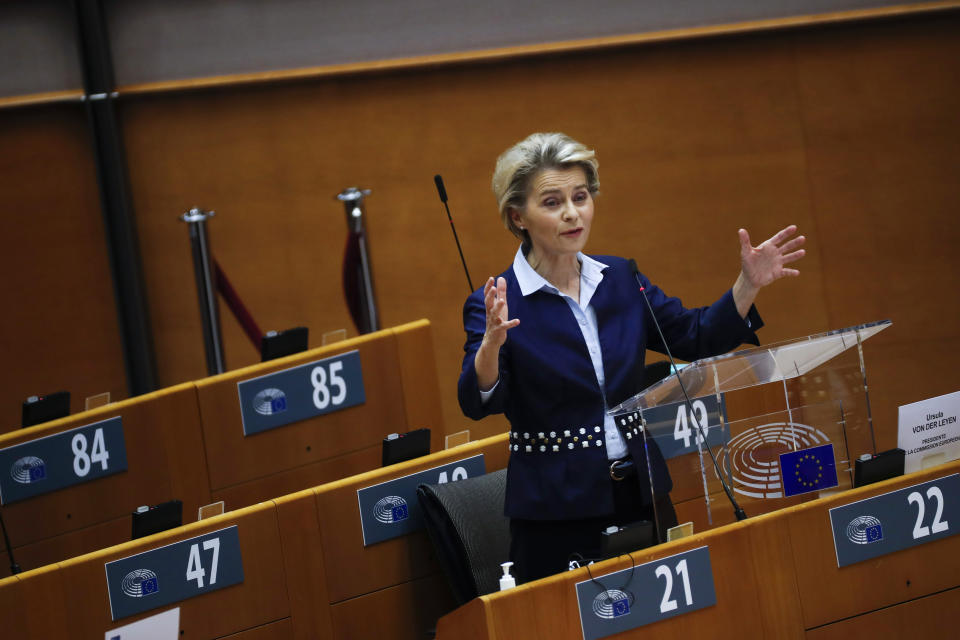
(498, 322)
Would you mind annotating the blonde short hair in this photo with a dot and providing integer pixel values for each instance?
(520, 163)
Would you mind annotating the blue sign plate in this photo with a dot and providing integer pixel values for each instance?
(645, 594)
(301, 392)
(175, 572)
(897, 520)
(62, 460)
(675, 431)
(390, 509)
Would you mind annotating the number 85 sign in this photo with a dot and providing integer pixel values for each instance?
(301, 392)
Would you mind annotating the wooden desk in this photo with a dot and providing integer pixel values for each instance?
(306, 572)
(402, 393)
(260, 599)
(392, 589)
(165, 460)
(775, 575)
(174, 436)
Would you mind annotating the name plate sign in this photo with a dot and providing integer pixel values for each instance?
(301, 392)
(674, 427)
(175, 572)
(646, 593)
(62, 460)
(928, 428)
(896, 520)
(390, 509)
(162, 626)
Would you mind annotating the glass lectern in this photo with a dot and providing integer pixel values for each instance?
(783, 422)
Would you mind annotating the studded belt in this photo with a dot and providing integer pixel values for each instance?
(569, 439)
(557, 440)
(629, 424)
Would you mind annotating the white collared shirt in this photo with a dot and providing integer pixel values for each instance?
(591, 273)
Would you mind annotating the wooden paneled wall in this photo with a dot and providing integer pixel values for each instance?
(849, 131)
(58, 325)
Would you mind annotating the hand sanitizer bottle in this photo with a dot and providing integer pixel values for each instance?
(506, 580)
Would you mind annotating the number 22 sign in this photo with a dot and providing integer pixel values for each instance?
(896, 520)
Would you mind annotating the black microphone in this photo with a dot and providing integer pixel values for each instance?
(443, 198)
(440, 189)
(737, 510)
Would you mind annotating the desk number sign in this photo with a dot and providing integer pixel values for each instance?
(896, 520)
(675, 427)
(174, 572)
(290, 395)
(647, 593)
(390, 509)
(62, 460)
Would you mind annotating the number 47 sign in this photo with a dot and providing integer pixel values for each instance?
(174, 572)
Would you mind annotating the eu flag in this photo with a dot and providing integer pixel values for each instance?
(399, 513)
(808, 470)
(621, 607)
(149, 586)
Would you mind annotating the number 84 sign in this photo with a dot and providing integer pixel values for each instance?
(55, 462)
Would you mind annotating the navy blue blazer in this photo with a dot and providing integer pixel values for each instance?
(558, 467)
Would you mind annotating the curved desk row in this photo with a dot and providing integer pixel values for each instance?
(188, 442)
(773, 576)
(304, 571)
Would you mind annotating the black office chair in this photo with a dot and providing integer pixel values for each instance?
(469, 532)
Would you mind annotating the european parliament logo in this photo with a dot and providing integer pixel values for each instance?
(864, 530)
(808, 470)
(391, 509)
(28, 469)
(611, 604)
(139, 583)
(753, 456)
(270, 402)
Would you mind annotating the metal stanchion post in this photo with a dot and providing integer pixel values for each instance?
(196, 220)
(352, 200)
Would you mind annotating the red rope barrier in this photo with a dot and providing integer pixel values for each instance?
(237, 307)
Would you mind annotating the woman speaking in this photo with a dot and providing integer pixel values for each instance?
(560, 336)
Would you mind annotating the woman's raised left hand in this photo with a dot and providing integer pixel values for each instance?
(764, 263)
